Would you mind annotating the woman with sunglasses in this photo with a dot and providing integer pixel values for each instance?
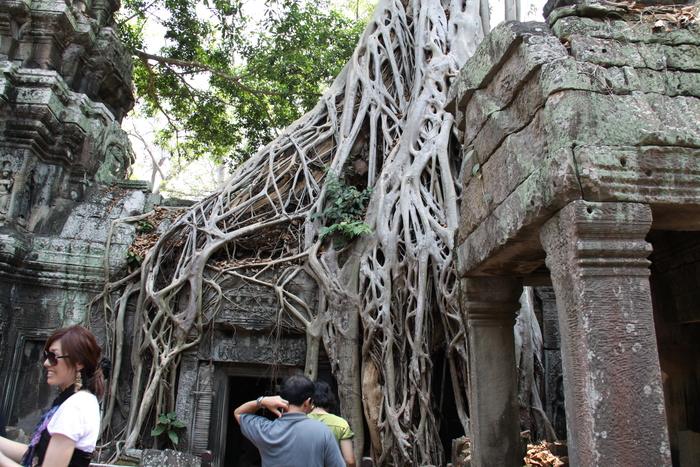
(66, 435)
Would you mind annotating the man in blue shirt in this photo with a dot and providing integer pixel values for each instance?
(293, 439)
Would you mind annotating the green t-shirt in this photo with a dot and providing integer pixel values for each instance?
(340, 428)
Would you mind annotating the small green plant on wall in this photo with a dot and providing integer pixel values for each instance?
(133, 258)
(145, 226)
(168, 423)
(344, 214)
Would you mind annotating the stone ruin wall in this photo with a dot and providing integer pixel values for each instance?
(591, 107)
(65, 85)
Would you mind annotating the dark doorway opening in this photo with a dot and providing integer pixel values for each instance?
(240, 452)
(448, 418)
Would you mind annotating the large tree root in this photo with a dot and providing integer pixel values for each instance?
(382, 298)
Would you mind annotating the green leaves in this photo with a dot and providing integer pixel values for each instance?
(226, 83)
(167, 423)
(345, 211)
(133, 258)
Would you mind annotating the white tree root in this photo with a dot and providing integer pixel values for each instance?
(381, 298)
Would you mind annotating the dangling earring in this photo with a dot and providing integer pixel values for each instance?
(78, 381)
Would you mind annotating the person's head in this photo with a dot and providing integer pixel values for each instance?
(324, 397)
(297, 389)
(71, 351)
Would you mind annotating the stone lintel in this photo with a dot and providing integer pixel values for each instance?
(579, 118)
(499, 232)
(507, 241)
(664, 177)
(255, 347)
(597, 256)
(490, 304)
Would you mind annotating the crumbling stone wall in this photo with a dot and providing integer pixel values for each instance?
(579, 136)
(65, 85)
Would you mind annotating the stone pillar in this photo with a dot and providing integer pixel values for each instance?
(490, 304)
(597, 256)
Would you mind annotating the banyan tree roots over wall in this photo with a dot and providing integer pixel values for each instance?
(387, 300)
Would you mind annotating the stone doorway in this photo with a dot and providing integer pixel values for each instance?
(233, 385)
(240, 452)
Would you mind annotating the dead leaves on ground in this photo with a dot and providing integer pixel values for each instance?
(662, 15)
(147, 232)
(539, 455)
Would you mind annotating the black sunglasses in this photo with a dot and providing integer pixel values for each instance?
(52, 357)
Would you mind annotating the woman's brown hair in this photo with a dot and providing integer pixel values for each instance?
(81, 347)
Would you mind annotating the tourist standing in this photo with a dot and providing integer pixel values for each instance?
(66, 435)
(293, 439)
(325, 402)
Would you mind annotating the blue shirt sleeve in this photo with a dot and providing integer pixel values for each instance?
(252, 427)
(334, 458)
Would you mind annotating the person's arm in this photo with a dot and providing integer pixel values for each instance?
(59, 451)
(348, 452)
(7, 462)
(272, 403)
(12, 450)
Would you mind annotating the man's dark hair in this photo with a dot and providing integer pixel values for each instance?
(324, 398)
(296, 389)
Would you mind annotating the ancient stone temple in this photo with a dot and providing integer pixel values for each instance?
(65, 85)
(581, 143)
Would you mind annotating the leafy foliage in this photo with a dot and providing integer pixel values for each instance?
(344, 215)
(167, 423)
(226, 82)
(133, 258)
(145, 226)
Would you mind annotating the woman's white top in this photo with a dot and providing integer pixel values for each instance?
(78, 418)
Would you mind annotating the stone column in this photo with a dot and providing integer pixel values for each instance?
(490, 304)
(597, 256)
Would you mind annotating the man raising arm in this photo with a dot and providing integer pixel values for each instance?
(293, 439)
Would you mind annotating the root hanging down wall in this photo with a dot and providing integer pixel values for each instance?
(383, 297)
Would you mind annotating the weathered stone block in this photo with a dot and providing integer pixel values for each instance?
(507, 241)
(252, 347)
(610, 52)
(518, 114)
(513, 162)
(689, 448)
(168, 458)
(624, 31)
(580, 118)
(604, 52)
(649, 174)
(539, 47)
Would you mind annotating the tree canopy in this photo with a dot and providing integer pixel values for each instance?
(227, 81)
